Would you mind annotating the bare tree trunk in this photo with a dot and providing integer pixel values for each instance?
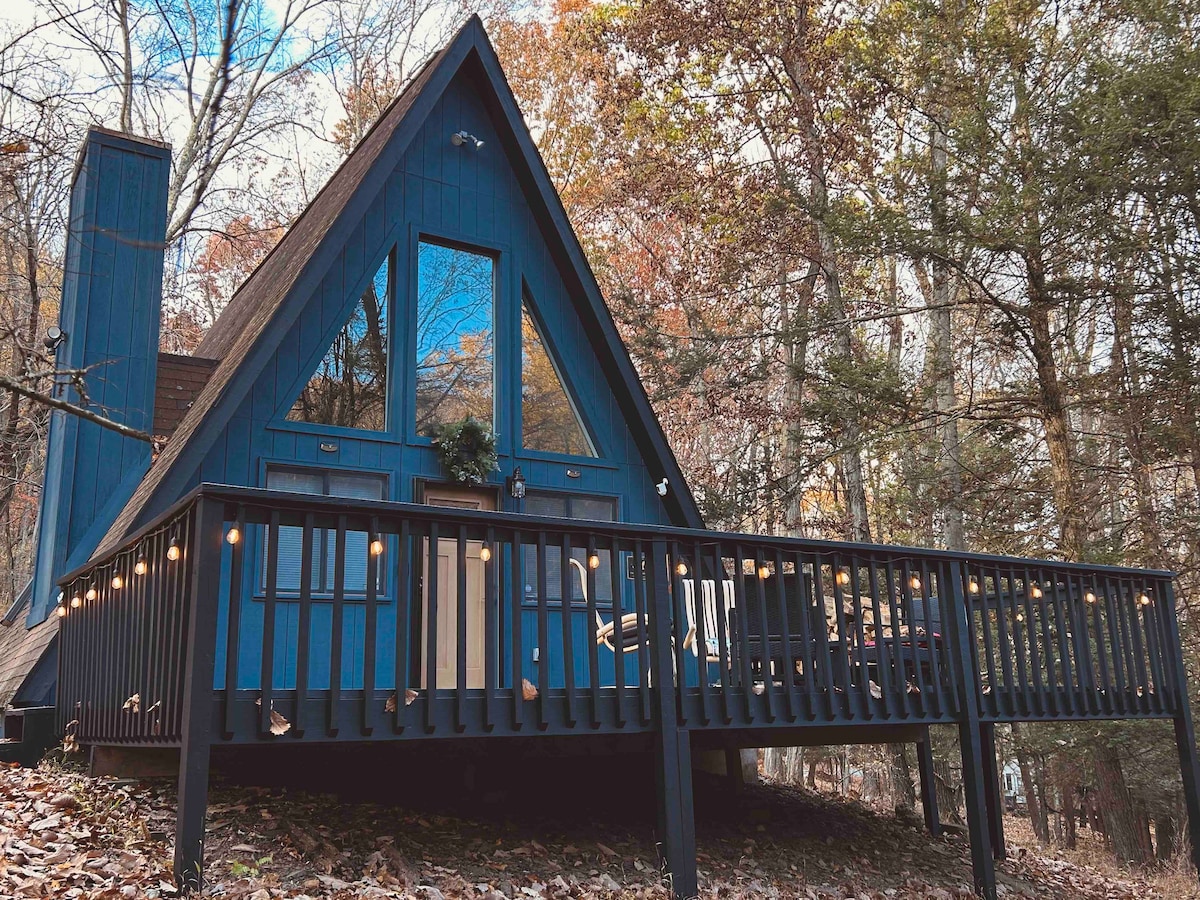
(1127, 831)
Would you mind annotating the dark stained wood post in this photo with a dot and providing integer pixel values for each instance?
(203, 585)
(991, 789)
(1185, 735)
(673, 747)
(928, 786)
(955, 614)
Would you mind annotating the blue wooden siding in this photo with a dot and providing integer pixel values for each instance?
(472, 197)
(110, 315)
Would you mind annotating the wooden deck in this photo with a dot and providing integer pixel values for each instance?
(728, 640)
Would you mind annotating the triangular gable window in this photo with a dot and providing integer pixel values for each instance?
(349, 387)
(549, 421)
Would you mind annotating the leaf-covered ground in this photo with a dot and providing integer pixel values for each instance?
(63, 834)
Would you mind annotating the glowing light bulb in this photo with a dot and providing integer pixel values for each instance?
(62, 611)
(973, 586)
(233, 535)
(117, 582)
(91, 593)
(1035, 592)
(1143, 600)
(843, 577)
(485, 552)
(915, 581)
(173, 550)
(1089, 597)
(764, 572)
(593, 561)
(681, 569)
(139, 567)
(376, 547)
(76, 602)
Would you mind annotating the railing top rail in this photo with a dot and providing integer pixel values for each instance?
(286, 500)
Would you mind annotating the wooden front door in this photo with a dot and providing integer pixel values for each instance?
(447, 592)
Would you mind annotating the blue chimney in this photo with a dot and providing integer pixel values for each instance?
(112, 291)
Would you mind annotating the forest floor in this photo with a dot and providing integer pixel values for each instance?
(66, 835)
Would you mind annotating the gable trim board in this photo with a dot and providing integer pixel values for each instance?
(247, 335)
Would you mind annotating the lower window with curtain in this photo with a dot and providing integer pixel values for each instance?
(326, 483)
(568, 506)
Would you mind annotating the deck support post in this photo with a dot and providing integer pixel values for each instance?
(673, 745)
(1185, 735)
(969, 728)
(928, 786)
(991, 789)
(203, 562)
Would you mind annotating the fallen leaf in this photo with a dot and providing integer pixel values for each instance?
(133, 704)
(409, 696)
(528, 689)
(279, 725)
(389, 705)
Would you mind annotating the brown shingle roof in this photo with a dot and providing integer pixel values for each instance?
(237, 331)
(180, 381)
(20, 649)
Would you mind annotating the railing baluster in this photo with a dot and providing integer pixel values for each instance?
(724, 646)
(933, 637)
(678, 624)
(1066, 638)
(1153, 646)
(566, 615)
(517, 594)
(825, 657)
(304, 623)
(1034, 619)
(899, 619)
(878, 648)
(461, 629)
(336, 629)
(491, 628)
(845, 649)
(543, 626)
(1117, 700)
(618, 609)
(860, 639)
(267, 671)
(643, 649)
(1023, 705)
(742, 608)
(809, 654)
(370, 628)
(785, 631)
(912, 652)
(1133, 624)
(1006, 701)
(233, 626)
(701, 637)
(404, 579)
(432, 605)
(589, 631)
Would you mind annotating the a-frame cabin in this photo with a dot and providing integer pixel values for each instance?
(299, 564)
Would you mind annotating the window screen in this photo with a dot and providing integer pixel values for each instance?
(352, 485)
(568, 506)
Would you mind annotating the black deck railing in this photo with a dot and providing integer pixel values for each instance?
(243, 615)
(440, 611)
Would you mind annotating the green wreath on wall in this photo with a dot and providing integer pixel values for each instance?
(467, 450)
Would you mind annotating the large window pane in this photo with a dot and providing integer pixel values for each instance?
(549, 421)
(455, 336)
(349, 387)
